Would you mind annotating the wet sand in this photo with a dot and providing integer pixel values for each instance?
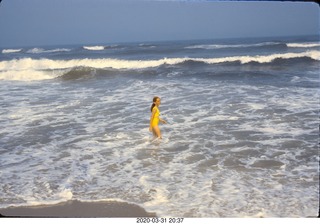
(77, 209)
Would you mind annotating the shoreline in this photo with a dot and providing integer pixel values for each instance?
(77, 209)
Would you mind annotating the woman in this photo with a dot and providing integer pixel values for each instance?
(155, 117)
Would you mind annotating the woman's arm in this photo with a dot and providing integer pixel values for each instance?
(163, 121)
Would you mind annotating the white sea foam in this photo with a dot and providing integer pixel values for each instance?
(29, 75)
(94, 48)
(58, 50)
(8, 51)
(64, 195)
(257, 106)
(304, 45)
(24, 75)
(98, 150)
(263, 58)
(41, 50)
(35, 50)
(86, 141)
(222, 46)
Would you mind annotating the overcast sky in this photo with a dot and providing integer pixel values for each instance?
(59, 22)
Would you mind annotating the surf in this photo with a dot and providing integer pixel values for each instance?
(222, 46)
(304, 45)
(45, 64)
(9, 51)
(94, 48)
(43, 51)
(12, 69)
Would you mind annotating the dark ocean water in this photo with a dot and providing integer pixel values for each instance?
(241, 139)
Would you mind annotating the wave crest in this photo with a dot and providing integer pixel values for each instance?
(41, 50)
(8, 51)
(304, 45)
(221, 46)
(264, 44)
(27, 67)
(94, 48)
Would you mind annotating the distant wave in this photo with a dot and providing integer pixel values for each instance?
(94, 48)
(41, 50)
(221, 46)
(315, 55)
(100, 48)
(304, 45)
(8, 51)
(26, 68)
(146, 45)
(264, 44)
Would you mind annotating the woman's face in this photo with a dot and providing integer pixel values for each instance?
(158, 101)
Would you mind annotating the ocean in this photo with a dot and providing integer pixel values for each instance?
(242, 138)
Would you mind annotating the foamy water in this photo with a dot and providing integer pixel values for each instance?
(240, 141)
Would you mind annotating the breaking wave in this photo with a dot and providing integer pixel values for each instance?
(221, 46)
(304, 45)
(94, 48)
(264, 44)
(37, 69)
(8, 51)
(41, 50)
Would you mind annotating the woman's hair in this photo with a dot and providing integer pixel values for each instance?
(154, 101)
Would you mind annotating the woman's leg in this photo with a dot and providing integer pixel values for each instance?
(156, 131)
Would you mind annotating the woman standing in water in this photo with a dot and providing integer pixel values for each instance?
(155, 118)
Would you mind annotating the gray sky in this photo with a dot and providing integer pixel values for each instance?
(47, 22)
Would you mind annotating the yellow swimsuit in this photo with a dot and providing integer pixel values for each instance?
(155, 120)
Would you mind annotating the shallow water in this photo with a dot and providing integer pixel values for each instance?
(241, 140)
